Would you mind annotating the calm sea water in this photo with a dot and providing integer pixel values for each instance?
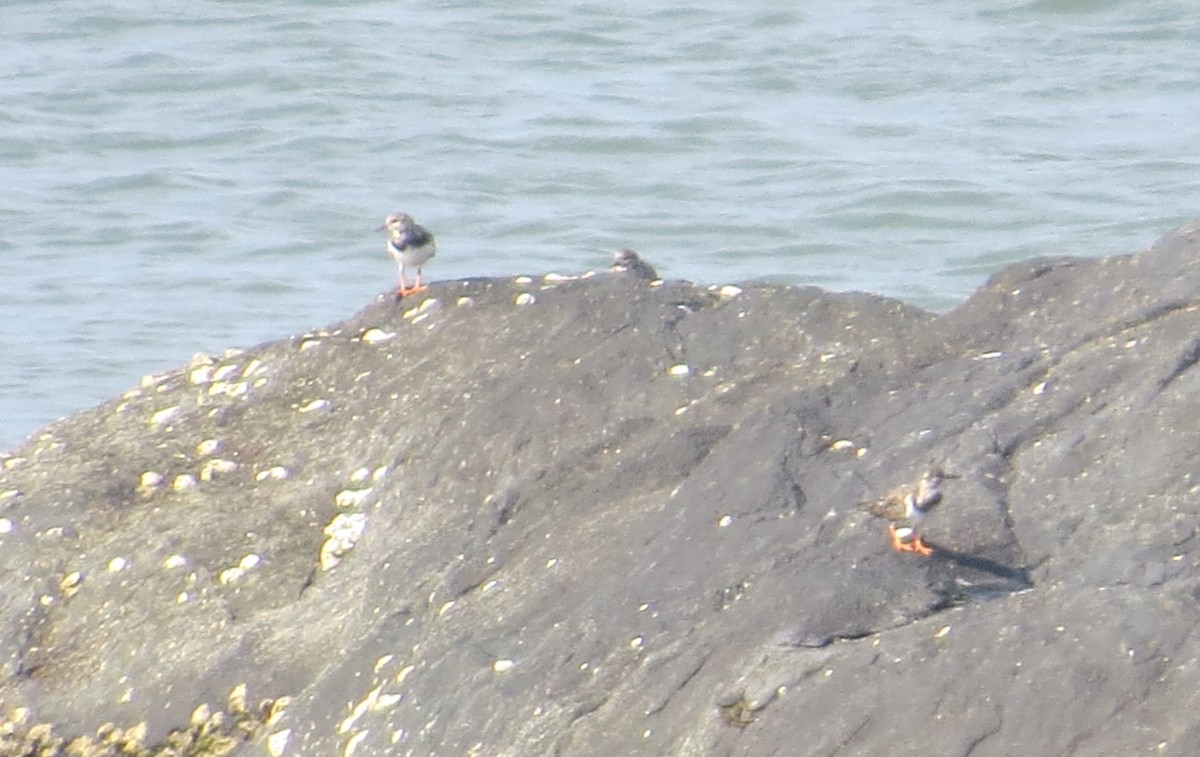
(184, 177)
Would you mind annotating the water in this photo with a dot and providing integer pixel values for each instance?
(199, 176)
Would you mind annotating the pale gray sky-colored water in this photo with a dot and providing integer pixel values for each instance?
(200, 176)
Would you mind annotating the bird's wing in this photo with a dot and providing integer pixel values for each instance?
(419, 236)
(879, 508)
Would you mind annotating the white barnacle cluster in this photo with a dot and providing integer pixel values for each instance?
(311, 340)
(351, 499)
(361, 487)
(154, 381)
(374, 701)
(151, 481)
(376, 336)
(277, 742)
(342, 533)
(211, 469)
(162, 418)
(200, 369)
(528, 298)
(422, 312)
(726, 292)
(228, 379)
(383, 695)
(344, 530)
(215, 468)
(316, 406)
(233, 573)
(70, 583)
(848, 446)
(274, 473)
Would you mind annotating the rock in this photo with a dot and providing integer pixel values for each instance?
(567, 547)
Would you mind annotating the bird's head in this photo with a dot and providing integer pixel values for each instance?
(397, 222)
(625, 257)
(934, 476)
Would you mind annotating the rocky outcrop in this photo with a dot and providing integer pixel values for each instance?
(603, 516)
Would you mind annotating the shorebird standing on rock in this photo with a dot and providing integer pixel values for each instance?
(628, 261)
(906, 506)
(411, 245)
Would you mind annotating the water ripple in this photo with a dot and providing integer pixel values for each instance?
(214, 175)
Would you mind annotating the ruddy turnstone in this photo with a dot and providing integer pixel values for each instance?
(411, 245)
(906, 506)
(628, 261)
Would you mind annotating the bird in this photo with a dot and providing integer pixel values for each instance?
(628, 261)
(906, 506)
(411, 245)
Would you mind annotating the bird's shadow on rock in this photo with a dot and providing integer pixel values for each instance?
(971, 577)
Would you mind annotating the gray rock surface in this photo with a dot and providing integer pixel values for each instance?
(462, 525)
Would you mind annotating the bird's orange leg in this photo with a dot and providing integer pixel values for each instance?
(418, 286)
(914, 545)
(920, 547)
(405, 289)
